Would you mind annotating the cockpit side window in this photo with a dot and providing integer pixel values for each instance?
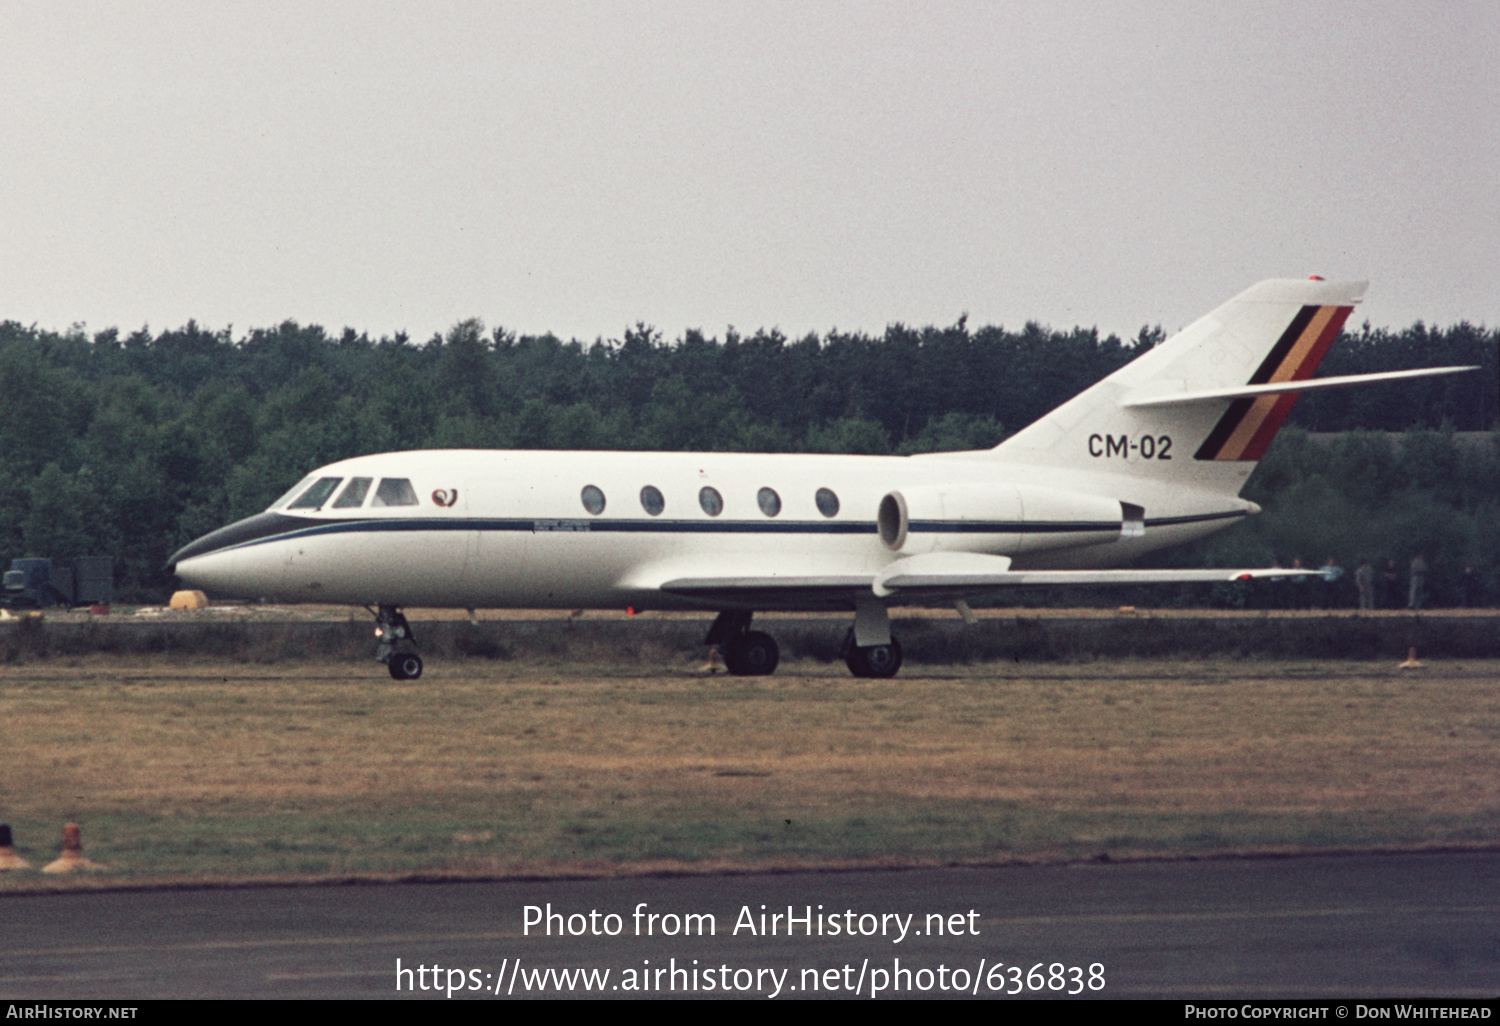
(315, 496)
(394, 491)
(295, 489)
(353, 495)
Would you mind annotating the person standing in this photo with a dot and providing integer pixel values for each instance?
(1471, 588)
(1418, 592)
(1364, 583)
(1390, 579)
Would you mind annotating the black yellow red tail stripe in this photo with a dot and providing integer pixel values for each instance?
(1247, 427)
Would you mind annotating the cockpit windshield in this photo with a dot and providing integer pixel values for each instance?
(296, 489)
(315, 496)
(353, 495)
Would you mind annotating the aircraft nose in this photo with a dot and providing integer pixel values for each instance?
(241, 532)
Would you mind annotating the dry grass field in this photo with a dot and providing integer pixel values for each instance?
(190, 769)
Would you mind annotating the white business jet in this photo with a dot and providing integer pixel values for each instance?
(1153, 455)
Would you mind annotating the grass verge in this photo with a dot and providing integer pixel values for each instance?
(197, 770)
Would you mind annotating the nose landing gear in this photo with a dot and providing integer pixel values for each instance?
(405, 666)
(396, 644)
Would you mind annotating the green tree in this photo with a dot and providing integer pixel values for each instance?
(63, 515)
(856, 436)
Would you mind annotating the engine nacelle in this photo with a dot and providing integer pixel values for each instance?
(1002, 519)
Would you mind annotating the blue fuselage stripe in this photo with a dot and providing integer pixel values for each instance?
(310, 529)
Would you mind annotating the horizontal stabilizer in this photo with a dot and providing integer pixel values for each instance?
(1283, 387)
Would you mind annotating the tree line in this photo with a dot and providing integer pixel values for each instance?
(131, 444)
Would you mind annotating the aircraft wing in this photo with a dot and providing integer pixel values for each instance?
(958, 574)
(772, 591)
(941, 576)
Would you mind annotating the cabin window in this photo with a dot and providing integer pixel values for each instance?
(828, 503)
(353, 495)
(296, 489)
(770, 502)
(318, 494)
(652, 501)
(593, 499)
(394, 491)
(711, 501)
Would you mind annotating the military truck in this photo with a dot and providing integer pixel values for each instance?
(39, 583)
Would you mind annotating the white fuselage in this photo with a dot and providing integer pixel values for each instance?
(511, 529)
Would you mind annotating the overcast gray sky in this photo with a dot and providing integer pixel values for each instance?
(576, 167)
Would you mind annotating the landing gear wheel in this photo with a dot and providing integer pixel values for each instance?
(405, 666)
(879, 661)
(753, 654)
(394, 632)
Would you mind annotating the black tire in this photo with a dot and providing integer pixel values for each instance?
(877, 661)
(405, 666)
(752, 655)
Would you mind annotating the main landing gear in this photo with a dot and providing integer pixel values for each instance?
(396, 644)
(747, 653)
(869, 649)
(872, 660)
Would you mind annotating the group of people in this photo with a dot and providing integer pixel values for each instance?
(1375, 589)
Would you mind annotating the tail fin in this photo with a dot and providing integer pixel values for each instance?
(1203, 406)
(1247, 427)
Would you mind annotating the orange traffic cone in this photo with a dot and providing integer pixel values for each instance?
(8, 857)
(71, 860)
(1412, 662)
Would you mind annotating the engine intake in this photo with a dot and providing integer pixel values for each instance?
(1000, 518)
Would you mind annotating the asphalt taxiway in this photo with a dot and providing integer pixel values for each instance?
(1399, 925)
